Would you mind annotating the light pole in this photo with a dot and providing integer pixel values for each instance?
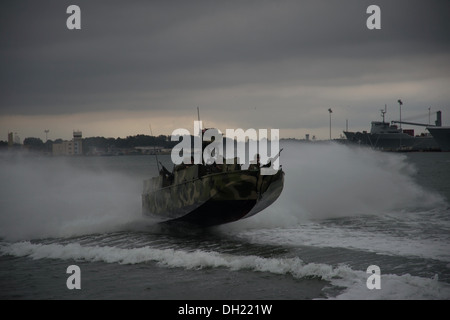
(330, 111)
(429, 115)
(400, 104)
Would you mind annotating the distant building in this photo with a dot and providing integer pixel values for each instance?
(77, 143)
(153, 150)
(149, 149)
(69, 148)
(10, 139)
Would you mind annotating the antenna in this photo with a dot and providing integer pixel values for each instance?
(198, 114)
(383, 112)
(154, 148)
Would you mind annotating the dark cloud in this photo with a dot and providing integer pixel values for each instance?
(153, 54)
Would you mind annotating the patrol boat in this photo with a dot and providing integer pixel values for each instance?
(208, 195)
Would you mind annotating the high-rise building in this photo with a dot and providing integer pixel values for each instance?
(69, 148)
(10, 139)
(77, 143)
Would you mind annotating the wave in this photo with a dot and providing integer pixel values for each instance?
(58, 197)
(330, 180)
(375, 241)
(53, 197)
(341, 276)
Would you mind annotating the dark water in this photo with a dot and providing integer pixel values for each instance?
(342, 210)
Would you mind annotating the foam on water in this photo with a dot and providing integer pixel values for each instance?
(353, 281)
(344, 197)
(325, 181)
(50, 197)
(335, 196)
(317, 235)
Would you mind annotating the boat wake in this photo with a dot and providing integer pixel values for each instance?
(54, 198)
(330, 181)
(352, 282)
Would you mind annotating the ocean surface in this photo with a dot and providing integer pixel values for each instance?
(342, 210)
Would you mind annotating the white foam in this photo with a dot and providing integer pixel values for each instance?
(332, 181)
(329, 181)
(394, 287)
(316, 235)
(50, 197)
(46, 197)
(353, 281)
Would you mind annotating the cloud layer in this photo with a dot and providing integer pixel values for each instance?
(245, 63)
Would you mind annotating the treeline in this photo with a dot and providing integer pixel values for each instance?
(129, 142)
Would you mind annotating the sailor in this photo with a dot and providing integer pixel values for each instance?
(164, 171)
(166, 175)
(184, 165)
(216, 166)
(255, 165)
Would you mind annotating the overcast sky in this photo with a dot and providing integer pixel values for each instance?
(245, 64)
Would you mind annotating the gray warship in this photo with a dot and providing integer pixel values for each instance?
(442, 136)
(389, 137)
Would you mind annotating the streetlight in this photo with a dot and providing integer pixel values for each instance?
(400, 104)
(330, 111)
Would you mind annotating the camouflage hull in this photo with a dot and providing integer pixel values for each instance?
(210, 199)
